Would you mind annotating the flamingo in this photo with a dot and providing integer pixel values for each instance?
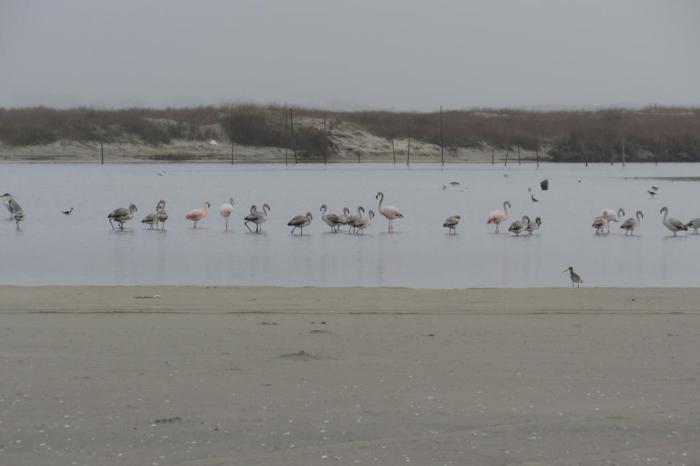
(519, 226)
(631, 223)
(196, 215)
(332, 220)
(19, 217)
(671, 223)
(575, 278)
(153, 218)
(363, 222)
(498, 216)
(226, 210)
(694, 224)
(532, 226)
(258, 217)
(300, 221)
(451, 224)
(351, 219)
(389, 212)
(162, 214)
(599, 223)
(121, 216)
(613, 216)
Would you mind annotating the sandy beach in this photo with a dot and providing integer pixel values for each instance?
(307, 376)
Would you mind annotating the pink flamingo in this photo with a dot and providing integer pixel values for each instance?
(498, 216)
(226, 210)
(198, 214)
(389, 212)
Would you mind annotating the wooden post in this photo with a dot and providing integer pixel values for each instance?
(442, 141)
(505, 164)
(102, 153)
(325, 138)
(232, 157)
(393, 149)
(493, 160)
(359, 153)
(623, 151)
(294, 139)
(286, 137)
(537, 150)
(518, 155)
(408, 152)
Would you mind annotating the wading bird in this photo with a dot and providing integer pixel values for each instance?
(599, 223)
(613, 216)
(332, 220)
(389, 212)
(10, 204)
(671, 223)
(19, 217)
(532, 226)
(694, 224)
(196, 215)
(121, 216)
(351, 219)
(532, 197)
(67, 212)
(631, 223)
(451, 224)
(226, 210)
(152, 218)
(300, 221)
(363, 222)
(258, 217)
(162, 214)
(519, 226)
(575, 278)
(498, 216)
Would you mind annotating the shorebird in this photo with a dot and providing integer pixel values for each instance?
(300, 221)
(694, 224)
(655, 188)
(226, 210)
(332, 220)
(389, 212)
(631, 223)
(195, 215)
(121, 216)
(575, 278)
(498, 216)
(532, 197)
(652, 193)
(532, 226)
(451, 224)
(67, 212)
(671, 223)
(363, 222)
(258, 217)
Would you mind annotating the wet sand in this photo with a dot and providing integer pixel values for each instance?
(305, 376)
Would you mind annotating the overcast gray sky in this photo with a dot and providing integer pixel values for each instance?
(393, 54)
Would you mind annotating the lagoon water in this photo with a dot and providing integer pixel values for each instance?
(82, 249)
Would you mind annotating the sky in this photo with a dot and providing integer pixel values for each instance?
(350, 55)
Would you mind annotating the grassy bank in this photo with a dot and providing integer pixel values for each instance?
(650, 134)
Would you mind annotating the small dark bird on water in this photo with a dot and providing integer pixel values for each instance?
(532, 196)
(655, 188)
(67, 212)
(652, 193)
(454, 183)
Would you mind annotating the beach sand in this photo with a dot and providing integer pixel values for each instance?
(307, 376)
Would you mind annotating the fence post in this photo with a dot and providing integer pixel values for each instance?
(442, 141)
(102, 153)
(393, 149)
(291, 123)
(408, 152)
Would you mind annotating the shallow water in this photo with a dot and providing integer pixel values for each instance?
(82, 249)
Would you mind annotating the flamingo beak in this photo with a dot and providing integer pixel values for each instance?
(565, 271)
